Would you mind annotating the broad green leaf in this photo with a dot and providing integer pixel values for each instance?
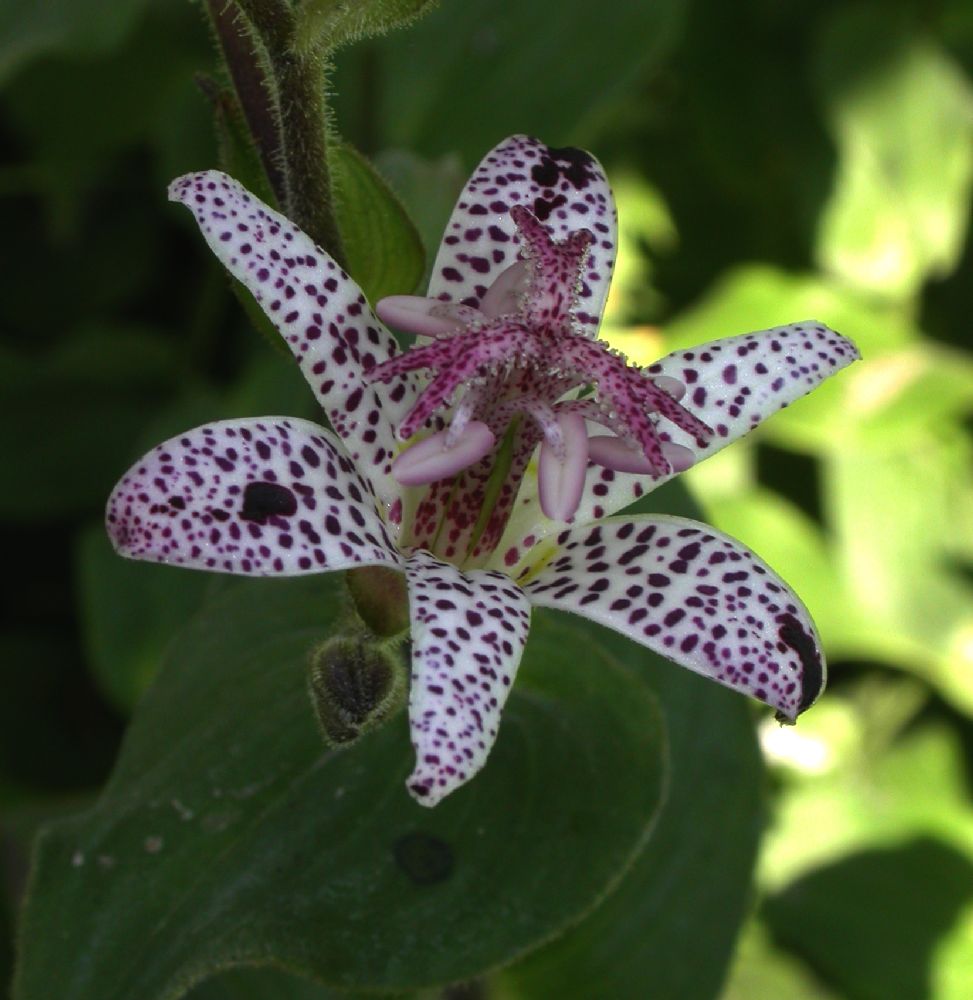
(759, 296)
(865, 771)
(428, 189)
(255, 983)
(229, 835)
(952, 973)
(921, 386)
(645, 229)
(688, 890)
(901, 112)
(260, 984)
(871, 922)
(384, 252)
(271, 384)
(761, 970)
(884, 787)
(472, 72)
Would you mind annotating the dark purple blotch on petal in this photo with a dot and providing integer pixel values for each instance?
(574, 165)
(263, 500)
(792, 634)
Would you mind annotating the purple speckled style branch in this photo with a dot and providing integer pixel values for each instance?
(486, 463)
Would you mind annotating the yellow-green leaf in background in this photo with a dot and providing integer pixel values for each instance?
(901, 112)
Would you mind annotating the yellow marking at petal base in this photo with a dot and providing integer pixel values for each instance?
(498, 475)
(539, 564)
(876, 384)
(410, 496)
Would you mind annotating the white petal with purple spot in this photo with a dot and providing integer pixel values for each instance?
(265, 496)
(695, 596)
(468, 634)
(732, 385)
(565, 189)
(320, 312)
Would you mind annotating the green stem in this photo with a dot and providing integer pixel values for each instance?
(253, 90)
(303, 120)
(295, 83)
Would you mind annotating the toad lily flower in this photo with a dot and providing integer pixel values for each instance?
(485, 462)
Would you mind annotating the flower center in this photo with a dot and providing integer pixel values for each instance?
(519, 354)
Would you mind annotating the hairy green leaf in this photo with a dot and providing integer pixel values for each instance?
(230, 835)
(687, 892)
(324, 25)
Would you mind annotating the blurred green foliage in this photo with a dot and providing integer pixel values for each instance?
(773, 162)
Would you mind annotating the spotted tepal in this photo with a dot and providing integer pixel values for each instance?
(488, 462)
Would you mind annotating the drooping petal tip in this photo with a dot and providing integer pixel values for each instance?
(734, 384)
(468, 635)
(694, 595)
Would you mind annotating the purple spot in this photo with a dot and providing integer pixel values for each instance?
(263, 500)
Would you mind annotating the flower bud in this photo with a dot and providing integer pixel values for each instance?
(355, 686)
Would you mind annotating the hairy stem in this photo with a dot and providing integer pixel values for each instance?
(302, 110)
(283, 97)
(253, 90)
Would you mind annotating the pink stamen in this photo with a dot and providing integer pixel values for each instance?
(506, 295)
(614, 453)
(518, 354)
(425, 317)
(432, 459)
(560, 481)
